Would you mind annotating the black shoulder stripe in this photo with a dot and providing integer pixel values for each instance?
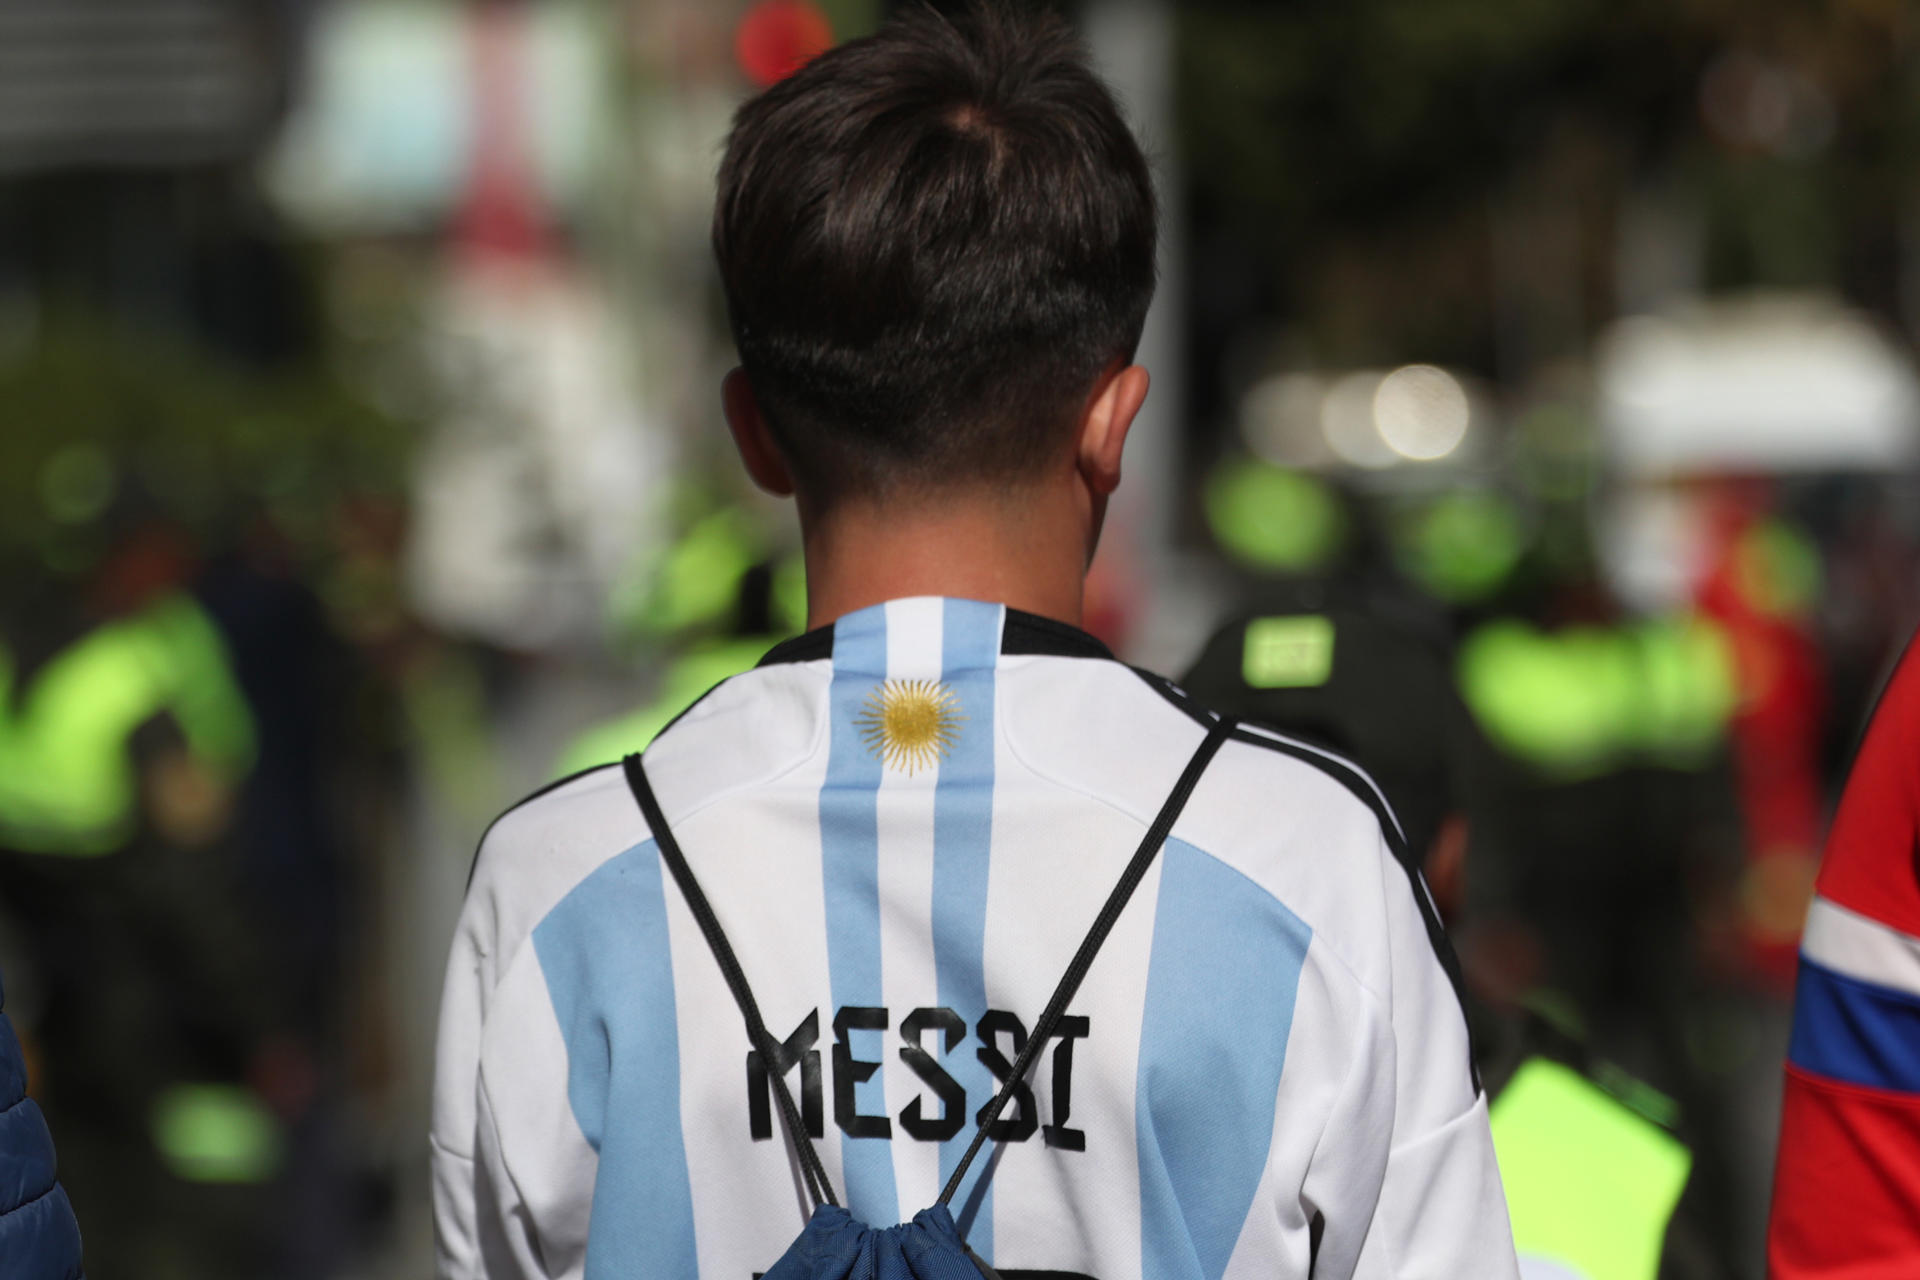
(661, 732)
(1177, 696)
(1354, 780)
(810, 647)
(521, 803)
(1347, 774)
(1350, 776)
(1331, 763)
(561, 782)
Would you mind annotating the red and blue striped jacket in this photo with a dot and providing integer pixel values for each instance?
(1846, 1196)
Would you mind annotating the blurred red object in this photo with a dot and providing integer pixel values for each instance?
(1776, 731)
(500, 215)
(778, 37)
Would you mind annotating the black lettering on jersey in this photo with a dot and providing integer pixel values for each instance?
(953, 1098)
(849, 1071)
(1019, 1120)
(796, 1048)
(1068, 1029)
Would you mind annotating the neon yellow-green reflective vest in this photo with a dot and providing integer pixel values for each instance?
(67, 780)
(1575, 702)
(696, 584)
(1591, 1184)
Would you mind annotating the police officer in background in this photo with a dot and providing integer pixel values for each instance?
(1335, 652)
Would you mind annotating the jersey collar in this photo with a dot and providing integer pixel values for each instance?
(1022, 633)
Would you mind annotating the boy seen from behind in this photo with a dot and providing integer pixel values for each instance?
(937, 245)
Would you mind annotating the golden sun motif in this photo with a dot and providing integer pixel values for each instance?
(910, 724)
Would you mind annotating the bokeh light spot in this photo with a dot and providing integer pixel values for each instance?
(1421, 412)
(76, 483)
(216, 1133)
(778, 37)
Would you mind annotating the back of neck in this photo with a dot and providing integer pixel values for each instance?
(858, 556)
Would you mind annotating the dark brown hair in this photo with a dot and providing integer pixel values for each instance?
(933, 240)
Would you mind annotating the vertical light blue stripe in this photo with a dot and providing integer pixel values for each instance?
(850, 853)
(1225, 967)
(608, 964)
(962, 852)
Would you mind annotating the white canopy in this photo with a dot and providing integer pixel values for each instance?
(1764, 383)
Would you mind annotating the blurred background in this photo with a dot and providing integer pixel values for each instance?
(1534, 416)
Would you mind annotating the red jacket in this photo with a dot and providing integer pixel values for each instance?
(1846, 1198)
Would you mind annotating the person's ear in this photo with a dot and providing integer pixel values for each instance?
(1446, 866)
(759, 451)
(1104, 424)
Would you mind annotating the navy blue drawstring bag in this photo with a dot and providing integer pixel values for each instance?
(835, 1245)
(838, 1246)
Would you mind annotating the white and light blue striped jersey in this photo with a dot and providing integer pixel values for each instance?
(906, 824)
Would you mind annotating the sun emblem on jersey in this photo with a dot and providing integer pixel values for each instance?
(910, 724)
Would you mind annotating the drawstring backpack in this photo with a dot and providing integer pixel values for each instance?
(835, 1245)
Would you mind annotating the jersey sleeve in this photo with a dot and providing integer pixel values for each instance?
(1847, 1180)
(534, 1170)
(513, 1171)
(1441, 1211)
(512, 1174)
(452, 1139)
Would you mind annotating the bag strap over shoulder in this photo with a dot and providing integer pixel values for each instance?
(1090, 945)
(815, 1174)
(818, 1187)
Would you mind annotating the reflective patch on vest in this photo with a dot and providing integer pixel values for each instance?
(1288, 652)
(1591, 1184)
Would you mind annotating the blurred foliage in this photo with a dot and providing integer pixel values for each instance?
(1301, 115)
(1322, 113)
(1366, 170)
(108, 429)
(1462, 546)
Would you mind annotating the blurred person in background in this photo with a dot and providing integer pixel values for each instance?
(174, 889)
(1846, 1197)
(1338, 653)
(1606, 846)
(719, 600)
(186, 741)
(1329, 647)
(184, 738)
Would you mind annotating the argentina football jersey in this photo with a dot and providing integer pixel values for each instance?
(906, 823)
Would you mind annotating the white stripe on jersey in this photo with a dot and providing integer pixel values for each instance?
(1266, 1037)
(1860, 947)
(1385, 806)
(551, 1155)
(906, 813)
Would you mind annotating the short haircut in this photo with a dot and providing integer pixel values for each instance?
(933, 240)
